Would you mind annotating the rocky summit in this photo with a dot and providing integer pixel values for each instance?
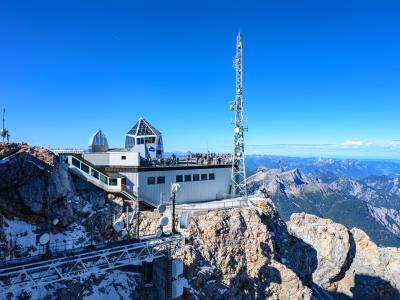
(237, 253)
(250, 253)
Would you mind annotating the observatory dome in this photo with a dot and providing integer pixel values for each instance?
(98, 142)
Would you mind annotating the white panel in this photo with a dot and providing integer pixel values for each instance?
(97, 159)
(177, 288)
(132, 159)
(113, 159)
(177, 268)
(193, 191)
(131, 181)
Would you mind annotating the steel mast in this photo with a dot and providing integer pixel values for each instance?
(4, 133)
(239, 182)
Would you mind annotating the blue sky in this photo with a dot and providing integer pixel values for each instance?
(321, 78)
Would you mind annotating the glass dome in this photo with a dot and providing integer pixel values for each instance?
(98, 142)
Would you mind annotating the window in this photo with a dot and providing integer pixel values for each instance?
(151, 180)
(211, 176)
(188, 177)
(123, 157)
(140, 141)
(179, 178)
(76, 162)
(95, 174)
(203, 176)
(196, 177)
(150, 139)
(103, 179)
(113, 181)
(85, 168)
(160, 179)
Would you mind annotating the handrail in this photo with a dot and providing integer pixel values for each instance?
(81, 161)
(90, 177)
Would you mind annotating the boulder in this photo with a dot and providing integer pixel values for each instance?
(331, 241)
(349, 263)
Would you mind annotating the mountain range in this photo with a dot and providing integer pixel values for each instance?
(354, 193)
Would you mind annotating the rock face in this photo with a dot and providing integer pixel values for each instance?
(234, 254)
(349, 263)
(33, 185)
(331, 240)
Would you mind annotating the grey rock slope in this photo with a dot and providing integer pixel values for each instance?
(33, 185)
(349, 263)
(250, 253)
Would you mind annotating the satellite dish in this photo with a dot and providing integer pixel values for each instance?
(231, 107)
(175, 188)
(56, 221)
(118, 225)
(44, 239)
(236, 130)
(184, 220)
(159, 232)
(163, 221)
(161, 208)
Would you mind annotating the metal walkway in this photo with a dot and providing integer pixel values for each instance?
(42, 270)
(88, 177)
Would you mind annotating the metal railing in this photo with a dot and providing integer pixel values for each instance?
(20, 275)
(213, 205)
(95, 176)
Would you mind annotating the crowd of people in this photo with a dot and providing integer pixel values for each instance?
(209, 158)
(190, 159)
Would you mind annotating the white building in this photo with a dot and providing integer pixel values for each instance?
(140, 170)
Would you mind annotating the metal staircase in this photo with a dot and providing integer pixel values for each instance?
(131, 196)
(43, 270)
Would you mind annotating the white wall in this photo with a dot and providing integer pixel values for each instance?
(193, 191)
(131, 180)
(113, 158)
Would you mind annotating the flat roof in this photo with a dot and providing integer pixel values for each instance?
(162, 168)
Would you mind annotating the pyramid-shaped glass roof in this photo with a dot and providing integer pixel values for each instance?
(143, 128)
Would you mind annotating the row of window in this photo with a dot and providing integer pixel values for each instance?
(152, 180)
(195, 177)
(181, 178)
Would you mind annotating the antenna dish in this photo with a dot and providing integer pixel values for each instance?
(175, 188)
(184, 220)
(56, 221)
(44, 239)
(163, 221)
(236, 130)
(118, 225)
(162, 208)
(159, 232)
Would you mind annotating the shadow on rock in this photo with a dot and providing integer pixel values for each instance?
(291, 251)
(244, 287)
(369, 288)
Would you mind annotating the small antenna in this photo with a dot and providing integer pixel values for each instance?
(4, 133)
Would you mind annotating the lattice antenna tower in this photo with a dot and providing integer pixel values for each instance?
(239, 182)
